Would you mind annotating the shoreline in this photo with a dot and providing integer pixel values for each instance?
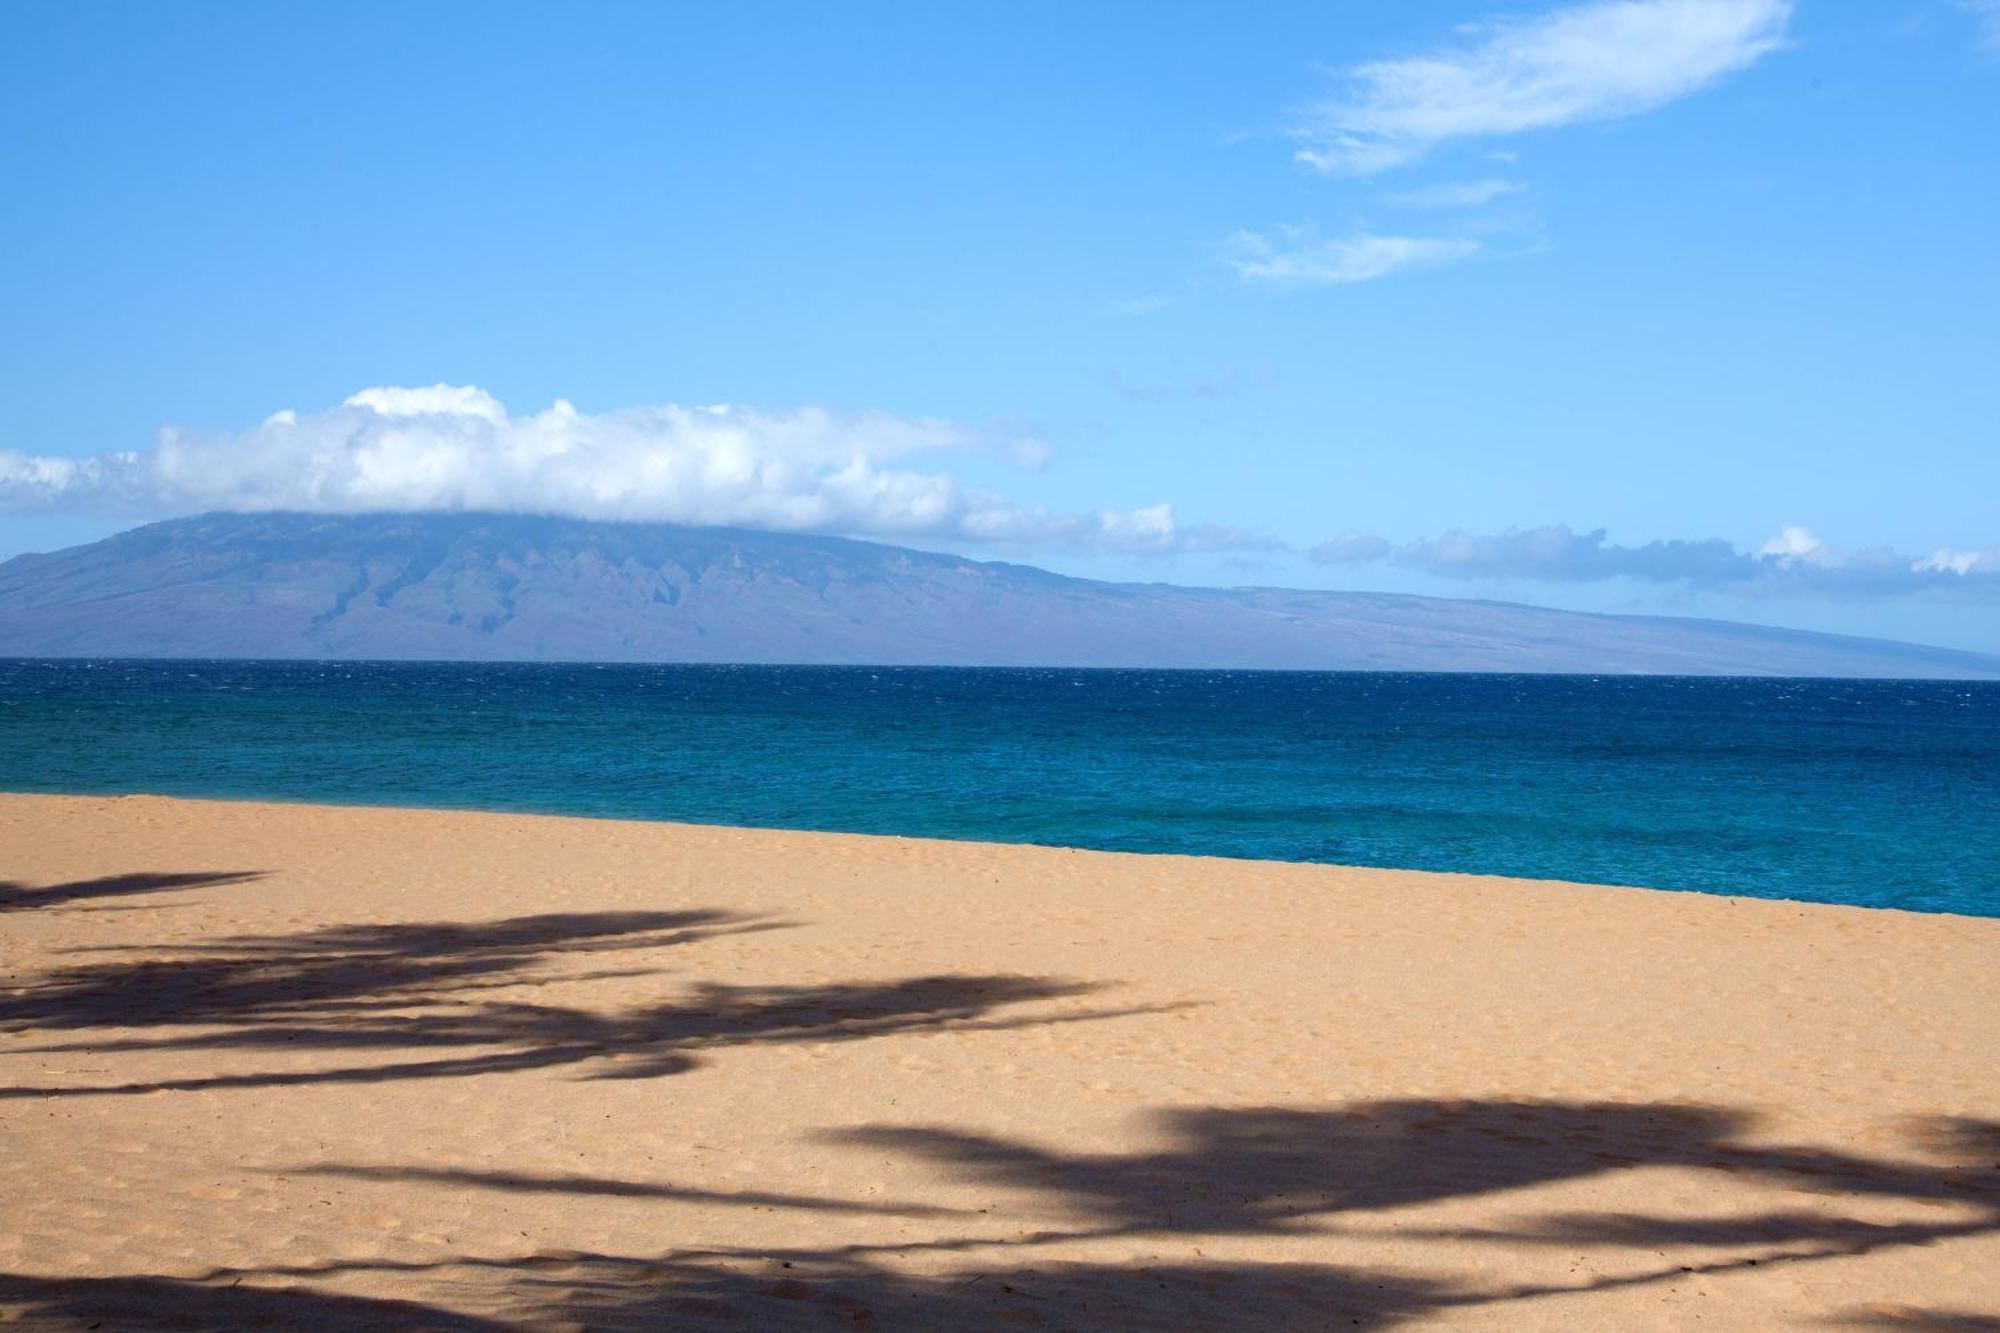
(368, 1066)
(1197, 859)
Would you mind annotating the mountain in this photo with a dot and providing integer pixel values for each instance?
(490, 587)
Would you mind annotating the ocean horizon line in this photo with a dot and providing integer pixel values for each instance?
(1012, 667)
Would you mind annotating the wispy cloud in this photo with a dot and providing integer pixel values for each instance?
(1298, 256)
(1225, 382)
(1793, 561)
(1351, 548)
(1457, 194)
(1589, 62)
(1140, 305)
(451, 447)
(1987, 14)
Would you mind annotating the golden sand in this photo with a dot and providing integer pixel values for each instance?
(347, 1068)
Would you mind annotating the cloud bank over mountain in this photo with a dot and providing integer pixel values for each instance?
(455, 448)
(446, 448)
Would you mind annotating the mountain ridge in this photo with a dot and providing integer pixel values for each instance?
(496, 587)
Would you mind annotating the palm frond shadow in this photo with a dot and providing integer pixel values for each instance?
(19, 897)
(376, 1003)
(1223, 1172)
(1242, 1171)
(427, 990)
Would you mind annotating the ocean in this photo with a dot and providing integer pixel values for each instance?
(1877, 793)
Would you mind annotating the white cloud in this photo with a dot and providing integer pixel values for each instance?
(1589, 62)
(451, 447)
(1795, 560)
(1795, 543)
(1458, 194)
(1298, 256)
(1986, 560)
(451, 400)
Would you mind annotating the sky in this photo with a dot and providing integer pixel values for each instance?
(1679, 307)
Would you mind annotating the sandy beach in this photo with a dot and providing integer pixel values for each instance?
(366, 1068)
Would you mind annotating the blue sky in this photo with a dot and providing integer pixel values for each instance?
(1679, 306)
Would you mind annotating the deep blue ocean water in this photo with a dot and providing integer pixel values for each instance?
(1881, 793)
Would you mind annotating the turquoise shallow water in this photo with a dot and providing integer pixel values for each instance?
(1880, 793)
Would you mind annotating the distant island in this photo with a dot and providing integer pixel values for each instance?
(489, 587)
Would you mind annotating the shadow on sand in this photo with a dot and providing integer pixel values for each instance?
(420, 990)
(1250, 1171)
(420, 998)
(17, 897)
(1219, 1173)
(615, 1293)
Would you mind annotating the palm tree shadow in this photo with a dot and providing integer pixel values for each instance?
(172, 1303)
(1222, 1172)
(421, 989)
(375, 1003)
(251, 980)
(610, 1292)
(618, 1293)
(526, 1182)
(18, 897)
(1217, 1172)
(1238, 1171)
